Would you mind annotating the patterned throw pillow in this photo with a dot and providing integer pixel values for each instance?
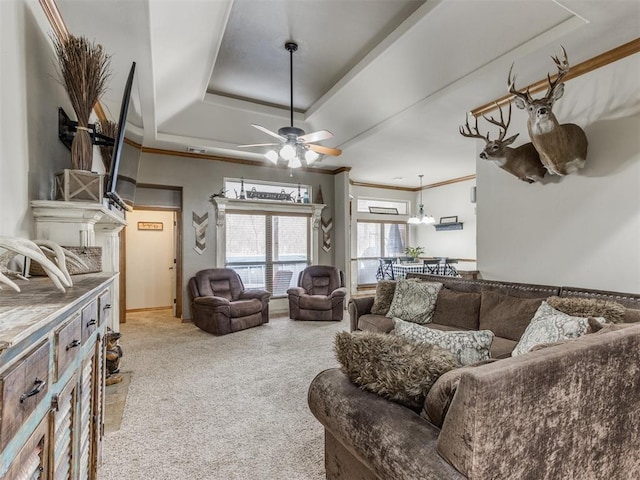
(468, 347)
(392, 367)
(550, 325)
(414, 301)
(385, 290)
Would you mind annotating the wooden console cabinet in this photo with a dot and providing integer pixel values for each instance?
(52, 371)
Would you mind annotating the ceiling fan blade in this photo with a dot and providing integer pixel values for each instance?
(324, 150)
(269, 132)
(315, 136)
(258, 145)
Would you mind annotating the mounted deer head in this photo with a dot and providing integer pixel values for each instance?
(562, 148)
(523, 161)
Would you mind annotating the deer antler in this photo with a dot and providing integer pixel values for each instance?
(511, 82)
(563, 69)
(503, 127)
(473, 132)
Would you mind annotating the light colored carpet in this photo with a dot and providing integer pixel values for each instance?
(219, 408)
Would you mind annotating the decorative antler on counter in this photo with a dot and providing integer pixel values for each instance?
(22, 246)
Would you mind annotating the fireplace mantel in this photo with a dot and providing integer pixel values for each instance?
(83, 224)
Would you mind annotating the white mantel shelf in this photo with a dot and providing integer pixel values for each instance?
(76, 212)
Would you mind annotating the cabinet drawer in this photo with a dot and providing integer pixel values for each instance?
(23, 388)
(89, 319)
(104, 303)
(68, 340)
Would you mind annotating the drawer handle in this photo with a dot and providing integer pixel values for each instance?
(91, 322)
(75, 343)
(107, 306)
(39, 386)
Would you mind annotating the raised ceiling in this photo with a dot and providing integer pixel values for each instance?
(391, 79)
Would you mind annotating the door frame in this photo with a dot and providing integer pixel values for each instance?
(178, 261)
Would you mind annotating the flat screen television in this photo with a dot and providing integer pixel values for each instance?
(125, 160)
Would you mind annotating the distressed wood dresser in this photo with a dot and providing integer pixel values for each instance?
(52, 378)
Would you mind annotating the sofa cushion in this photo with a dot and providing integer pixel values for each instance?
(392, 367)
(414, 301)
(468, 347)
(550, 325)
(439, 397)
(502, 347)
(242, 308)
(613, 312)
(385, 290)
(631, 315)
(505, 315)
(458, 309)
(375, 323)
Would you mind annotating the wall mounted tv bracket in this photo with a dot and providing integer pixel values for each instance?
(67, 130)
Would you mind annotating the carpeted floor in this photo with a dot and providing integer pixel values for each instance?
(219, 408)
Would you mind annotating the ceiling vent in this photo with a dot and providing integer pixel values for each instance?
(196, 150)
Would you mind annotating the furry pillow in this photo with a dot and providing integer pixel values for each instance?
(467, 347)
(414, 301)
(549, 326)
(589, 307)
(384, 296)
(390, 366)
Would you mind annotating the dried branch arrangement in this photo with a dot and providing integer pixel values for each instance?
(110, 129)
(84, 71)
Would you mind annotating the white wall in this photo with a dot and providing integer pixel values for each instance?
(581, 230)
(30, 151)
(447, 201)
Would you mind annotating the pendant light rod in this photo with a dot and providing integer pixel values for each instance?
(291, 47)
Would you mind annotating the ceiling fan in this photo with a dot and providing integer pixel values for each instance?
(295, 145)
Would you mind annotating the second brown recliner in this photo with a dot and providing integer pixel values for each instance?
(319, 295)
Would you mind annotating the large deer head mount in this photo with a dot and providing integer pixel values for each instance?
(523, 161)
(562, 148)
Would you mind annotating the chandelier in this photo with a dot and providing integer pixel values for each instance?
(421, 217)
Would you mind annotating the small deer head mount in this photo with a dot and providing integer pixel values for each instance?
(523, 161)
(562, 148)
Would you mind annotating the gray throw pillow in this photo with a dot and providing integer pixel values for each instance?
(390, 366)
(414, 301)
(468, 347)
(384, 296)
(549, 326)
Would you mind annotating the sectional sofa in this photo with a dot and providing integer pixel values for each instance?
(568, 411)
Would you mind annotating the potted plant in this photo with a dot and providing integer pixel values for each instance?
(414, 252)
(83, 70)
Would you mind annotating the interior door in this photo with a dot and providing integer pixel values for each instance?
(150, 259)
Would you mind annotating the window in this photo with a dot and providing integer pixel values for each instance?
(267, 250)
(365, 203)
(375, 240)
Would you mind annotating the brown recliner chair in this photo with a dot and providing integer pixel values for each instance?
(319, 295)
(220, 304)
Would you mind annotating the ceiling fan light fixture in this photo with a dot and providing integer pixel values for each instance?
(295, 162)
(310, 156)
(272, 156)
(288, 152)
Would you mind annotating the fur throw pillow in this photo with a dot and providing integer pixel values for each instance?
(392, 367)
(385, 289)
(588, 307)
